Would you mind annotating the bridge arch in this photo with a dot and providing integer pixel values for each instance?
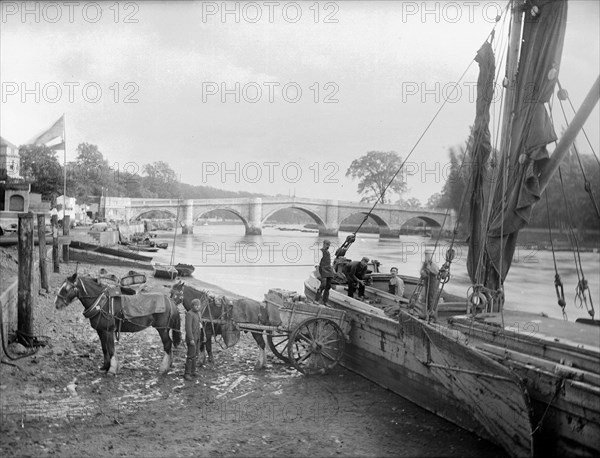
(381, 222)
(314, 215)
(233, 211)
(427, 220)
(140, 214)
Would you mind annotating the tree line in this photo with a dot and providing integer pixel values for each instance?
(92, 175)
(564, 203)
(379, 175)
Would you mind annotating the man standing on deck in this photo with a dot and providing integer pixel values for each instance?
(326, 272)
(429, 272)
(355, 272)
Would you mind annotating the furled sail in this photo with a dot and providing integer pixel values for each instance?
(530, 130)
(480, 148)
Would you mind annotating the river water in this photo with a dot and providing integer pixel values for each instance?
(251, 265)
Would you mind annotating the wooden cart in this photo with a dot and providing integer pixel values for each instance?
(311, 337)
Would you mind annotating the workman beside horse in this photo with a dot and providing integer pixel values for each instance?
(193, 329)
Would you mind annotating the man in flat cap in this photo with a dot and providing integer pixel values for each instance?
(326, 272)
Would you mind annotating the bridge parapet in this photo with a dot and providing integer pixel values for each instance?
(328, 214)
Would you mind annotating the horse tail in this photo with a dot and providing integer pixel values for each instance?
(176, 328)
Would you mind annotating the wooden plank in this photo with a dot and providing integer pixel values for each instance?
(566, 412)
(551, 339)
(552, 367)
(41, 223)
(55, 262)
(66, 229)
(25, 278)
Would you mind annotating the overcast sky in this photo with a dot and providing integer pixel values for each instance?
(308, 86)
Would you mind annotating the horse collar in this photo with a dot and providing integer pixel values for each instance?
(94, 309)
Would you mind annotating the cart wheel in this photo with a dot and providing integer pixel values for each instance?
(316, 346)
(278, 344)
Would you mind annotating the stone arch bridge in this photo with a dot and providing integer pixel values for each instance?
(253, 212)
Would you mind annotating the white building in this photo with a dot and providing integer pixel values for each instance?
(77, 213)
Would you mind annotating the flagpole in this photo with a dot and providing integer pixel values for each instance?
(65, 168)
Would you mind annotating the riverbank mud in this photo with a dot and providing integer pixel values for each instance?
(57, 403)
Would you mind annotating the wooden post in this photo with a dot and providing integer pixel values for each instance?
(24, 299)
(66, 228)
(41, 221)
(55, 259)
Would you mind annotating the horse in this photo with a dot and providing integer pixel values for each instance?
(213, 316)
(108, 315)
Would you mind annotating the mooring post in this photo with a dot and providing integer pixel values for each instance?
(24, 299)
(41, 222)
(55, 261)
(66, 228)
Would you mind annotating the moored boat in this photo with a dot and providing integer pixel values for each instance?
(166, 271)
(137, 247)
(557, 361)
(185, 270)
(433, 366)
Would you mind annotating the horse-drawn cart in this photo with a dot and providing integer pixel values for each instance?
(311, 337)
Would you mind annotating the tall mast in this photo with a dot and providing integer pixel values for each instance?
(569, 136)
(510, 82)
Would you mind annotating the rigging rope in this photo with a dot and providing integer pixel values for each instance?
(449, 97)
(587, 185)
(582, 285)
(558, 285)
(563, 93)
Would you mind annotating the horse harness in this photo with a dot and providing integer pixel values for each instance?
(105, 301)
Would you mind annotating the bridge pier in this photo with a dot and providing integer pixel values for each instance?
(254, 226)
(187, 219)
(332, 219)
(387, 233)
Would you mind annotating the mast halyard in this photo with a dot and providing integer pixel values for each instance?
(535, 48)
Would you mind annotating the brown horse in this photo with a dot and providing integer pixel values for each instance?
(241, 310)
(108, 316)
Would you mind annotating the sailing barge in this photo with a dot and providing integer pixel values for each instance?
(558, 362)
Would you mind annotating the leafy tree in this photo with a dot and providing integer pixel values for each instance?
(457, 181)
(375, 171)
(435, 201)
(90, 173)
(580, 213)
(161, 179)
(40, 165)
(413, 202)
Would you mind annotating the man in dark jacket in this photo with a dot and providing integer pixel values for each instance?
(326, 272)
(355, 272)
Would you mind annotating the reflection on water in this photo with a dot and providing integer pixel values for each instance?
(251, 265)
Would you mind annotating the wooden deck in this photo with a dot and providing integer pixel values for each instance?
(566, 342)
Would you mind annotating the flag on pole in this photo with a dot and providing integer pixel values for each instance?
(54, 137)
